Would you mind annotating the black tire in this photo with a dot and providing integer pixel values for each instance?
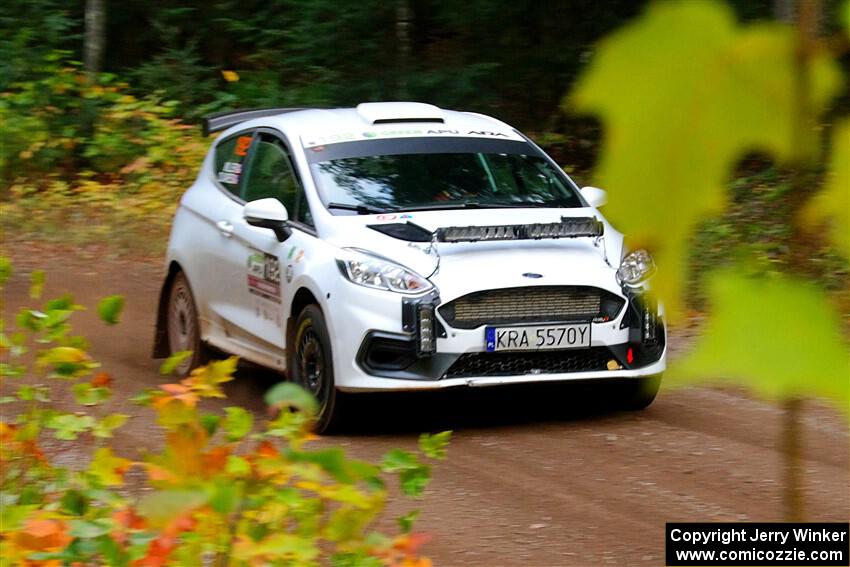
(639, 393)
(313, 367)
(183, 327)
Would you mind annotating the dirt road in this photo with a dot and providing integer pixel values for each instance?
(535, 477)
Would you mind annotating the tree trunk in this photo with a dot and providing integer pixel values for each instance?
(402, 33)
(94, 37)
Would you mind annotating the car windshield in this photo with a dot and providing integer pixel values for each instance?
(378, 176)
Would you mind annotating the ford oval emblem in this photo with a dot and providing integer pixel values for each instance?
(532, 275)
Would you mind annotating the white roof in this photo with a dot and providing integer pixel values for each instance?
(317, 127)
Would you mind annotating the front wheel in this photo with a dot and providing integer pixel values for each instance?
(639, 393)
(313, 367)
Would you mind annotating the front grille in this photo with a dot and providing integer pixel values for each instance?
(539, 304)
(520, 363)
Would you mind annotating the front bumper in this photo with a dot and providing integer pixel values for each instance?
(377, 348)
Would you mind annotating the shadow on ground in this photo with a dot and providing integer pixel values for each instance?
(456, 409)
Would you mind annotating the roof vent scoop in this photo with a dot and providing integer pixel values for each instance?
(399, 112)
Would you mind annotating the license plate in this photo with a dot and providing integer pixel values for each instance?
(538, 337)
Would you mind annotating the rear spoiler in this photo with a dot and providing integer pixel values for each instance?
(224, 120)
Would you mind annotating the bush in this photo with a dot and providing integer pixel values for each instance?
(222, 490)
(91, 158)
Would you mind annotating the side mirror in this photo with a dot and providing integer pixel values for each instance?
(594, 196)
(268, 213)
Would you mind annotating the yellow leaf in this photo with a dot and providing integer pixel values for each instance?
(230, 76)
(778, 336)
(108, 468)
(832, 204)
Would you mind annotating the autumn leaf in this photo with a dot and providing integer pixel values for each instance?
(43, 535)
(109, 309)
(176, 393)
(37, 279)
(230, 76)
(67, 361)
(107, 468)
(831, 206)
(206, 380)
(163, 506)
(158, 552)
(101, 380)
(105, 426)
(173, 361)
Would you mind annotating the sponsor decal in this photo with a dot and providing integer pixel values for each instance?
(291, 252)
(386, 217)
(232, 167)
(242, 145)
(299, 256)
(317, 142)
(289, 273)
(263, 273)
(229, 178)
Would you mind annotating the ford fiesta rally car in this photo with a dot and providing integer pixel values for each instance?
(399, 246)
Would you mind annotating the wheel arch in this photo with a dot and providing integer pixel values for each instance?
(160, 341)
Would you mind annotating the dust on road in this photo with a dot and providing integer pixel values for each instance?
(535, 476)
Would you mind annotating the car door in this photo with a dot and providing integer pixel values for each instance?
(259, 310)
(209, 231)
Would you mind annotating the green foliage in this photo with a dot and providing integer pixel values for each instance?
(30, 30)
(222, 489)
(832, 204)
(702, 91)
(119, 178)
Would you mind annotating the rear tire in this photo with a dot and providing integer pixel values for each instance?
(313, 367)
(639, 393)
(184, 331)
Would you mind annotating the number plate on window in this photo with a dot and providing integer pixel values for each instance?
(545, 337)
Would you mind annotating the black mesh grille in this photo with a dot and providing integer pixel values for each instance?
(519, 363)
(538, 304)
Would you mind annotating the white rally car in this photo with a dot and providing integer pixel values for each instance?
(399, 246)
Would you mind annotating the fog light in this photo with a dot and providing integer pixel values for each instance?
(425, 325)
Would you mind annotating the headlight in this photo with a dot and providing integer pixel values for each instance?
(380, 274)
(635, 267)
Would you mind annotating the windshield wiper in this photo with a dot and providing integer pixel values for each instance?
(478, 205)
(447, 206)
(359, 209)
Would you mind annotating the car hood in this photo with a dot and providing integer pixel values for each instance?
(462, 267)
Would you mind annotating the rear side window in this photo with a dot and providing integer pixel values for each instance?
(230, 160)
(270, 174)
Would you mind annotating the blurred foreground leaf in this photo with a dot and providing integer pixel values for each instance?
(684, 92)
(292, 395)
(109, 309)
(36, 284)
(173, 361)
(833, 202)
(778, 335)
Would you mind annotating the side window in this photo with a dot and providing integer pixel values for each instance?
(230, 160)
(270, 174)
